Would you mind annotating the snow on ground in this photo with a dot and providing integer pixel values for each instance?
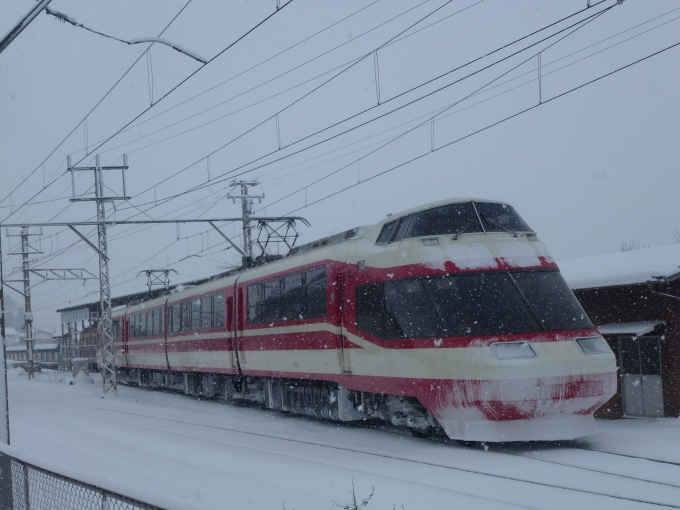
(183, 453)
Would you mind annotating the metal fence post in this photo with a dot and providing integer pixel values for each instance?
(6, 500)
(27, 495)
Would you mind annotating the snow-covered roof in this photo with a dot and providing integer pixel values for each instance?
(623, 268)
(45, 347)
(9, 331)
(629, 328)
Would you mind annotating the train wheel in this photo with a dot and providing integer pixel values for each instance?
(422, 433)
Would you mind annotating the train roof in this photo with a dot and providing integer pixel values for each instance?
(300, 256)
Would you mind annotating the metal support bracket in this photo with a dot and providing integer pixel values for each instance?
(88, 242)
(228, 240)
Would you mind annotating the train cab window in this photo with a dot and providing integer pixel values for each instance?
(293, 294)
(386, 232)
(552, 300)
(481, 304)
(206, 312)
(218, 310)
(399, 232)
(478, 304)
(370, 308)
(195, 307)
(501, 218)
(316, 292)
(448, 219)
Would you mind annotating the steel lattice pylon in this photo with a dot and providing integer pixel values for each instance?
(108, 359)
(108, 363)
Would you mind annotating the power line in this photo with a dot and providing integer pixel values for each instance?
(94, 107)
(526, 110)
(229, 174)
(172, 89)
(262, 84)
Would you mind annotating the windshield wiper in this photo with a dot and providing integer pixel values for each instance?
(462, 231)
(500, 225)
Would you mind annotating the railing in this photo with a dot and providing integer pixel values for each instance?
(24, 486)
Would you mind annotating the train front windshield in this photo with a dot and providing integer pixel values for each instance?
(481, 304)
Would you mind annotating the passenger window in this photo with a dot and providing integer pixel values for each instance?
(174, 319)
(195, 315)
(142, 324)
(316, 292)
(218, 310)
(386, 232)
(255, 304)
(160, 323)
(293, 297)
(206, 312)
(272, 301)
(186, 316)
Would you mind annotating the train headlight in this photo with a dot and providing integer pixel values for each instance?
(593, 345)
(513, 350)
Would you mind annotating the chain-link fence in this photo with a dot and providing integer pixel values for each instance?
(26, 487)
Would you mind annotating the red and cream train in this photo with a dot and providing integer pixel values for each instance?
(451, 315)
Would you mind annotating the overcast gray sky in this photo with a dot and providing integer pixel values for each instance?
(588, 171)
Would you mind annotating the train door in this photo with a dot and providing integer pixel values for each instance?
(640, 368)
(125, 336)
(165, 320)
(240, 326)
(341, 286)
(231, 328)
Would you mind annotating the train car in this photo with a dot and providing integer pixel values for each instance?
(450, 316)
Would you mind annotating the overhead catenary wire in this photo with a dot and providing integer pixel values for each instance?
(420, 156)
(304, 95)
(230, 174)
(315, 202)
(389, 142)
(510, 117)
(220, 53)
(402, 37)
(95, 106)
(529, 72)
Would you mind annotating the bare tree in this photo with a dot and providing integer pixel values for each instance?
(353, 505)
(633, 245)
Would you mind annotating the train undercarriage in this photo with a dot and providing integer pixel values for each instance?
(318, 399)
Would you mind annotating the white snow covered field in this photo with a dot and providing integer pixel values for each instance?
(178, 452)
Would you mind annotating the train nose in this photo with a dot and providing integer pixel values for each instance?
(532, 391)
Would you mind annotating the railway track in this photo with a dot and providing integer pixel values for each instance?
(407, 459)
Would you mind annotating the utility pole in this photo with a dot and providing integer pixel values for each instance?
(108, 359)
(247, 213)
(28, 315)
(26, 273)
(4, 396)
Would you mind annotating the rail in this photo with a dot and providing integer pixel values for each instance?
(24, 486)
